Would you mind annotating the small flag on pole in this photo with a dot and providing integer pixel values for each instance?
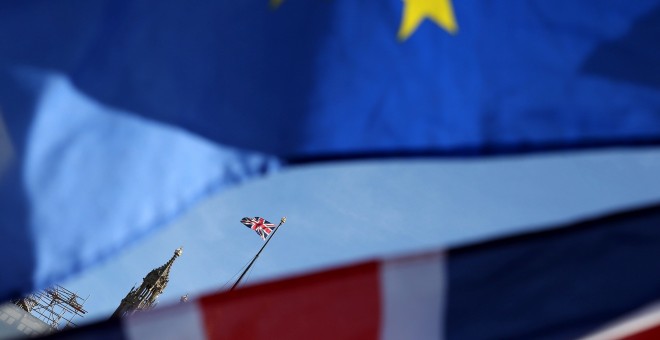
(259, 225)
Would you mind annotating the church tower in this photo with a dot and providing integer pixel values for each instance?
(144, 297)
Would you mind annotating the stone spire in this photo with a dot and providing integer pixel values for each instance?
(144, 297)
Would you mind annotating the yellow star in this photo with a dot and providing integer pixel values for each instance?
(275, 4)
(415, 11)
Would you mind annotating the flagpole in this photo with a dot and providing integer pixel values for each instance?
(256, 256)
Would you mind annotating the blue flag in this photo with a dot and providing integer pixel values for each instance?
(117, 115)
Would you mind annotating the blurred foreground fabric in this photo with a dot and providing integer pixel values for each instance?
(562, 283)
(117, 116)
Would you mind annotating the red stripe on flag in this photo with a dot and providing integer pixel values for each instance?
(336, 304)
(648, 334)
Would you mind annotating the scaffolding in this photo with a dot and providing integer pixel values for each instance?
(55, 306)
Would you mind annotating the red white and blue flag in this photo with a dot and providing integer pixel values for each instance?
(259, 225)
(591, 280)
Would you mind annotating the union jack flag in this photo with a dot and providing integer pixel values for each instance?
(260, 225)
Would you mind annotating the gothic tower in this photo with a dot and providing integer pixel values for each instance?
(144, 297)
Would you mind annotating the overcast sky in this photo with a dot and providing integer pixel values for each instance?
(339, 213)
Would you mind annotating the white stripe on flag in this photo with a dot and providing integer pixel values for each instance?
(413, 292)
(182, 321)
(642, 320)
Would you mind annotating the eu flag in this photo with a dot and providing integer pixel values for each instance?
(117, 115)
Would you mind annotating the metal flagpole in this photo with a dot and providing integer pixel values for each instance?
(256, 256)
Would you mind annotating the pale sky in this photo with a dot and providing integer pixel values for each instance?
(339, 213)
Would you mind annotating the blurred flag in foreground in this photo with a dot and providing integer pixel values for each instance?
(119, 115)
(562, 283)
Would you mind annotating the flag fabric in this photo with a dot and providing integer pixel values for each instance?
(641, 325)
(262, 227)
(340, 78)
(117, 115)
(563, 283)
(83, 180)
